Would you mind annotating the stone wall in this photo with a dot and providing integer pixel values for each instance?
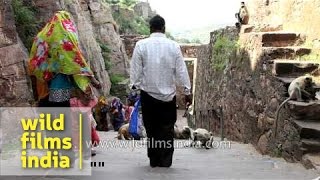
(130, 42)
(248, 97)
(291, 15)
(13, 80)
(189, 51)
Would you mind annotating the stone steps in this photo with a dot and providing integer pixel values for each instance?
(311, 160)
(293, 68)
(310, 145)
(246, 28)
(282, 50)
(272, 53)
(308, 129)
(307, 111)
(281, 39)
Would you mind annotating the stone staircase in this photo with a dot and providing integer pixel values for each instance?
(283, 50)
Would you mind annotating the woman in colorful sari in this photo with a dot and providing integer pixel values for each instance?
(57, 63)
(59, 67)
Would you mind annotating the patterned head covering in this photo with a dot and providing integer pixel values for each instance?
(102, 100)
(56, 49)
(133, 97)
(116, 104)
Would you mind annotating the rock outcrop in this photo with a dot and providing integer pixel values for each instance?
(144, 10)
(14, 84)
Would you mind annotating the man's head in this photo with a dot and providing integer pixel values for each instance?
(242, 4)
(157, 24)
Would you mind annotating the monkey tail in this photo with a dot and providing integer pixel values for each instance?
(277, 115)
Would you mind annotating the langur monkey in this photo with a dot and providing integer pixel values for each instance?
(297, 90)
(185, 133)
(123, 133)
(204, 136)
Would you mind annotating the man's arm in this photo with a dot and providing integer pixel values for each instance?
(136, 68)
(182, 74)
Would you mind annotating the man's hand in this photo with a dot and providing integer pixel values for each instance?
(188, 99)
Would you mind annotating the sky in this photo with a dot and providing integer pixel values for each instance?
(190, 14)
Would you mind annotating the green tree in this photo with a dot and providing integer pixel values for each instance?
(196, 40)
(26, 21)
(223, 49)
(128, 3)
(113, 1)
(169, 35)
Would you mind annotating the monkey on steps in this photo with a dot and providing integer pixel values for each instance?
(300, 89)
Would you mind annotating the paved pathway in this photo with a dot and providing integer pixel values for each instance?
(238, 162)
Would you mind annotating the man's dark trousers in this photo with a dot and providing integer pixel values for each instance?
(159, 118)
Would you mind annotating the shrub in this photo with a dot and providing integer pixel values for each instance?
(26, 22)
(105, 51)
(222, 51)
(116, 78)
(135, 25)
(128, 3)
(113, 1)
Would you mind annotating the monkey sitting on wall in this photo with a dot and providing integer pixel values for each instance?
(300, 89)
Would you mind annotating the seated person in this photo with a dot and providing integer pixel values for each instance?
(116, 114)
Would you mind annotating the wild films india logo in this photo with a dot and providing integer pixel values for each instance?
(48, 139)
(38, 141)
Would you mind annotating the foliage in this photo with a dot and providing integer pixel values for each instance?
(128, 3)
(116, 78)
(169, 35)
(113, 1)
(222, 51)
(196, 41)
(105, 51)
(26, 22)
(135, 25)
(184, 40)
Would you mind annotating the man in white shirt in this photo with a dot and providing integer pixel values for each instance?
(157, 66)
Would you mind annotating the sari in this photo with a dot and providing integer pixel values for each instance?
(56, 50)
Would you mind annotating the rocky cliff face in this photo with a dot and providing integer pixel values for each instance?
(96, 28)
(13, 80)
(144, 10)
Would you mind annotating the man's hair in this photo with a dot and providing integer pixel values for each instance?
(242, 3)
(157, 23)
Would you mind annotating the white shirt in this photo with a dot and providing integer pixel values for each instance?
(157, 67)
